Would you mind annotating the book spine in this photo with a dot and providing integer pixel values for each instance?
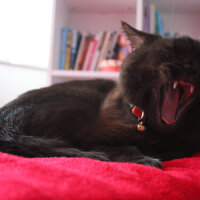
(159, 23)
(87, 54)
(63, 45)
(73, 48)
(80, 51)
(103, 50)
(81, 62)
(152, 18)
(107, 45)
(98, 37)
(68, 51)
(100, 49)
(111, 51)
(92, 53)
(77, 49)
(148, 18)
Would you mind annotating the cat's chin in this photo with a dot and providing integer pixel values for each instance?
(175, 98)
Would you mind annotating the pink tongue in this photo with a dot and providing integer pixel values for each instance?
(169, 106)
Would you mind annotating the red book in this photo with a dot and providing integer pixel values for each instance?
(85, 56)
(91, 54)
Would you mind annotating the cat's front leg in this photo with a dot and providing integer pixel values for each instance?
(129, 154)
(149, 161)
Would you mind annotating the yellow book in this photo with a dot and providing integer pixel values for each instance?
(68, 51)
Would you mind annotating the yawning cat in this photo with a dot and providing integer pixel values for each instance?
(150, 115)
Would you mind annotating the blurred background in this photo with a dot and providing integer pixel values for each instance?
(34, 37)
(25, 31)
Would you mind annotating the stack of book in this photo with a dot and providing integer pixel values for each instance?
(153, 22)
(85, 51)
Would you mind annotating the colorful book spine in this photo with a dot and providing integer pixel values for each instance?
(84, 51)
(159, 25)
(63, 45)
(74, 45)
(100, 50)
(68, 51)
(78, 48)
(98, 37)
(80, 51)
(111, 51)
(103, 50)
(92, 53)
(87, 53)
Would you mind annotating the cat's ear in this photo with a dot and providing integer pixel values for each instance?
(136, 37)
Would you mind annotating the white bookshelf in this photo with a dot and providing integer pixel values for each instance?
(92, 15)
(99, 15)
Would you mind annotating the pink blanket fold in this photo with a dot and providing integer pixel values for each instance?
(82, 178)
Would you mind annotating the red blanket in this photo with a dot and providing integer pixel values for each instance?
(82, 178)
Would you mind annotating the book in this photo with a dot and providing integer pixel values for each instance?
(99, 49)
(74, 47)
(98, 38)
(87, 53)
(91, 54)
(80, 50)
(152, 18)
(159, 25)
(63, 45)
(146, 18)
(78, 45)
(84, 52)
(103, 49)
(68, 51)
(108, 45)
(111, 51)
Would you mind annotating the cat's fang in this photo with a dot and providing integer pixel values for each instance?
(175, 84)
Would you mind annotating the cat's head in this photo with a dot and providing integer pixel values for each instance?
(162, 77)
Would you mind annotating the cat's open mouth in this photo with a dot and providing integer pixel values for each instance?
(175, 98)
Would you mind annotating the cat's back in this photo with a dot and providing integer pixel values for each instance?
(72, 105)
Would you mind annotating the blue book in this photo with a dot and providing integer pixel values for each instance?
(159, 25)
(74, 45)
(63, 45)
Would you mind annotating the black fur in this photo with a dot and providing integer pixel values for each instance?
(93, 118)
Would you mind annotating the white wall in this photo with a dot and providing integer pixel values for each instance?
(17, 80)
(187, 24)
(25, 31)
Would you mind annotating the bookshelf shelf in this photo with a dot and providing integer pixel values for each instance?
(58, 76)
(103, 15)
(89, 15)
(85, 74)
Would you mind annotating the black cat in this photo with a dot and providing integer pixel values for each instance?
(152, 113)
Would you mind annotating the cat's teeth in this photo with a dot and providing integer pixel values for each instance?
(175, 84)
(191, 89)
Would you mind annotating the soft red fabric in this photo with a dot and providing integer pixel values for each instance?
(82, 178)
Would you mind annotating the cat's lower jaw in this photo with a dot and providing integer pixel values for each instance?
(153, 162)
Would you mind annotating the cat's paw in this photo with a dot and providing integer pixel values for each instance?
(153, 162)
